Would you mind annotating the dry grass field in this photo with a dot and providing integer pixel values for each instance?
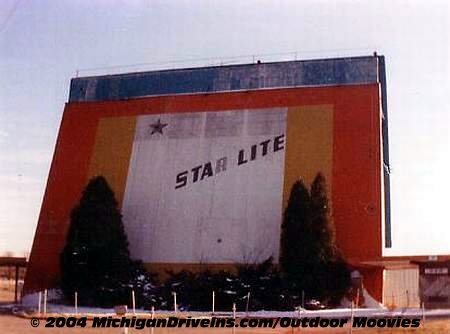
(7, 283)
(7, 291)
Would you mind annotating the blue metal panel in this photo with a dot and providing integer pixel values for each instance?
(340, 71)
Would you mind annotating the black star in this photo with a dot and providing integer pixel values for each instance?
(158, 127)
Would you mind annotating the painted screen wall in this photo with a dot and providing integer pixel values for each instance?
(204, 178)
(199, 190)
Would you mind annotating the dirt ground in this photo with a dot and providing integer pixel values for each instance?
(17, 325)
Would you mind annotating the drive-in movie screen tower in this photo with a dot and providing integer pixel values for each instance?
(202, 161)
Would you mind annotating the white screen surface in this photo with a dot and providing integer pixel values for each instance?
(232, 215)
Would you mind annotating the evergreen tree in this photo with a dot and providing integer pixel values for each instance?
(322, 231)
(295, 248)
(96, 261)
(309, 255)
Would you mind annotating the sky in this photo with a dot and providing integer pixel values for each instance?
(43, 44)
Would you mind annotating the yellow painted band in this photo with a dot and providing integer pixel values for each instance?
(309, 147)
(112, 152)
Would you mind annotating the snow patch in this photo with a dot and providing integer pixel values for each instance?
(32, 299)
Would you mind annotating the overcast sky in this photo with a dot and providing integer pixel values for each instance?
(44, 43)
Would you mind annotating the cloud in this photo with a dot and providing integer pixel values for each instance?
(3, 136)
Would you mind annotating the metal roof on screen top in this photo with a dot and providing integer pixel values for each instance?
(226, 78)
